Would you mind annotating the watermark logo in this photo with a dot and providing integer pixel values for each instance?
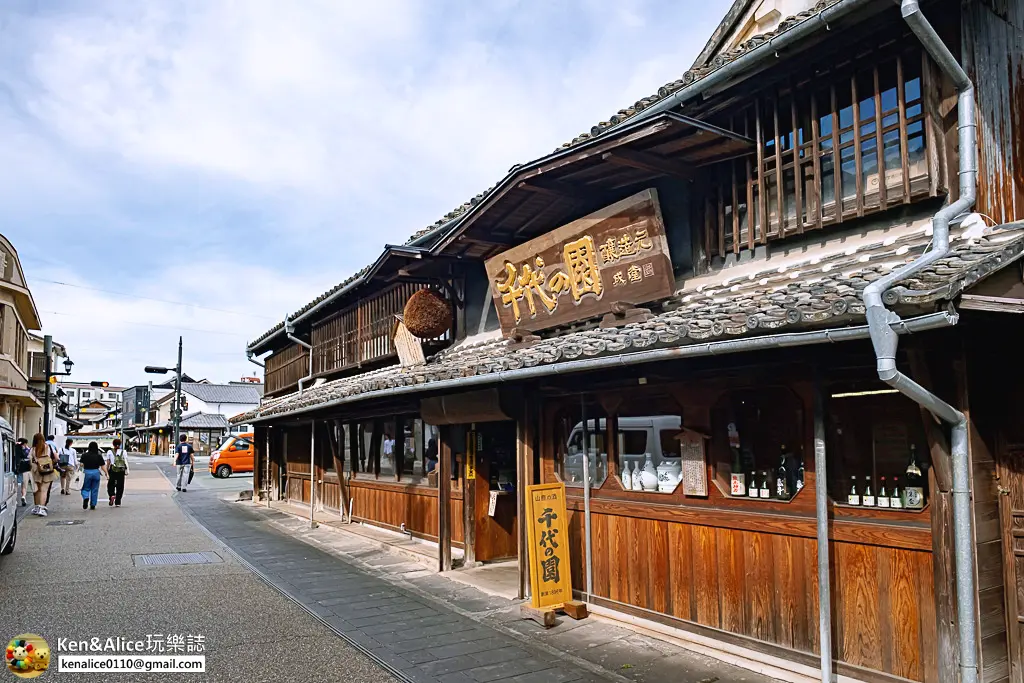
(27, 655)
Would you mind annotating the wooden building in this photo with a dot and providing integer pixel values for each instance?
(682, 300)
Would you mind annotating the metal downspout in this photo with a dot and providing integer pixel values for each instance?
(249, 357)
(880, 320)
(289, 330)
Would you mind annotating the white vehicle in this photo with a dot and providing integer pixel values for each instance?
(8, 490)
(638, 436)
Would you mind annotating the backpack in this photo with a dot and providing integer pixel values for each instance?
(24, 462)
(45, 463)
(120, 465)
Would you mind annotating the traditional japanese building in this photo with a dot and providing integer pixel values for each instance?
(760, 325)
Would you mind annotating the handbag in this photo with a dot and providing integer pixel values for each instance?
(76, 482)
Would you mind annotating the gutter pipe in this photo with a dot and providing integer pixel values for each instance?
(250, 356)
(289, 330)
(881, 322)
(922, 323)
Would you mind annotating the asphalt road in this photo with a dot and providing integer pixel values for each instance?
(81, 581)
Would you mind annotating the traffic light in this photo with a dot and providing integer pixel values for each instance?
(99, 384)
(184, 403)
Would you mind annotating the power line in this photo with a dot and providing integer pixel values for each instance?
(169, 327)
(148, 298)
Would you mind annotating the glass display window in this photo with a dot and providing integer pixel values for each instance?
(877, 449)
(581, 430)
(757, 444)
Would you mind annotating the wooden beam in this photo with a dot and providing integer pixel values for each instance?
(444, 498)
(997, 304)
(901, 97)
(556, 188)
(469, 501)
(879, 143)
(649, 162)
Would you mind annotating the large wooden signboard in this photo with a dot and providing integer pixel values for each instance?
(548, 526)
(577, 271)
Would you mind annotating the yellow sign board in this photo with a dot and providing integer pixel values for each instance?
(470, 455)
(548, 525)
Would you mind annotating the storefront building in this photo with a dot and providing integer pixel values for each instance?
(701, 308)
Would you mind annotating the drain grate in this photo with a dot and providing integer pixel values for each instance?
(164, 559)
(66, 522)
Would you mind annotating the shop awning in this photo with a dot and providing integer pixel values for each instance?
(22, 396)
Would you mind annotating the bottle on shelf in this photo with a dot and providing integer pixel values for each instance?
(868, 499)
(764, 491)
(913, 489)
(782, 478)
(883, 495)
(752, 488)
(800, 476)
(895, 498)
(853, 498)
(738, 483)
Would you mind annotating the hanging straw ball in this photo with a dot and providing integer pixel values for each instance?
(427, 314)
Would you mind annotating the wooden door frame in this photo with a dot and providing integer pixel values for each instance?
(1010, 578)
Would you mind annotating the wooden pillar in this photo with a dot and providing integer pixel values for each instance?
(353, 446)
(444, 496)
(525, 432)
(373, 457)
(399, 448)
(335, 429)
(940, 483)
(469, 498)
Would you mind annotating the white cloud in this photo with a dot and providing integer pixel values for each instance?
(268, 151)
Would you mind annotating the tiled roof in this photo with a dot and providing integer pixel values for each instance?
(690, 76)
(223, 393)
(823, 290)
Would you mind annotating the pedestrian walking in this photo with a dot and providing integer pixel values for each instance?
(185, 460)
(68, 459)
(93, 463)
(51, 443)
(117, 468)
(44, 472)
(22, 468)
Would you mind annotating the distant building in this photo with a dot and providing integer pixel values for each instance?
(205, 413)
(18, 315)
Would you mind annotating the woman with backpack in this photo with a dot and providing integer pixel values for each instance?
(68, 458)
(44, 472)
(93, 463)
(117, 467)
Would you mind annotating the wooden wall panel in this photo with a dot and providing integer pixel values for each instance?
(391, 506)
(765, 586)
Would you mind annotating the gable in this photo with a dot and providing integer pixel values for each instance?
(746, 19)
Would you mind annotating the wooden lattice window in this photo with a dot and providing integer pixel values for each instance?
(791, 183)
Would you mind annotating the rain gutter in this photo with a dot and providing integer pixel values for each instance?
(289, 330)
(922, 323)
(881, 321)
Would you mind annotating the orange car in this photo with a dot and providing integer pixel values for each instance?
(235, 455)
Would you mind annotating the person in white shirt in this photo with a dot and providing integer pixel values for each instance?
(389, 449)
(68, 458)
(117, 468)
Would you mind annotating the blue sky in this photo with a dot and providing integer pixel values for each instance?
(246, 156)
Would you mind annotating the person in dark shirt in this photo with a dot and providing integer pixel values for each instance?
(93, 463)
(185, 459)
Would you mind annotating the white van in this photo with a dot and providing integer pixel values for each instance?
(638, 436)
(8, 490)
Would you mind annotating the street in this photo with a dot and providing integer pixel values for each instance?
(80, 581)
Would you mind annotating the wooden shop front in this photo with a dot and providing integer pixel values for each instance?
(703, 510)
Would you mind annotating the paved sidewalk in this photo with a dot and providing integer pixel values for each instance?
(80, 581)
(427, 626)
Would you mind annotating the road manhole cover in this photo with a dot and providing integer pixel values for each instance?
(66, 522)
(206, 557)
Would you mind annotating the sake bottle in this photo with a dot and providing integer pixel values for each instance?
(883, 496)
(853, 498)
(868, 499)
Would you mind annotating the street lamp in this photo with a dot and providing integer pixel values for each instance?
(160, 370)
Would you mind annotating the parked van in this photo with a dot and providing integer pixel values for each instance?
(638, 436)
(8, 490)
(235, 455)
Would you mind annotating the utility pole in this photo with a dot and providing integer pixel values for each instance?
(177, 398)
(48, 370)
